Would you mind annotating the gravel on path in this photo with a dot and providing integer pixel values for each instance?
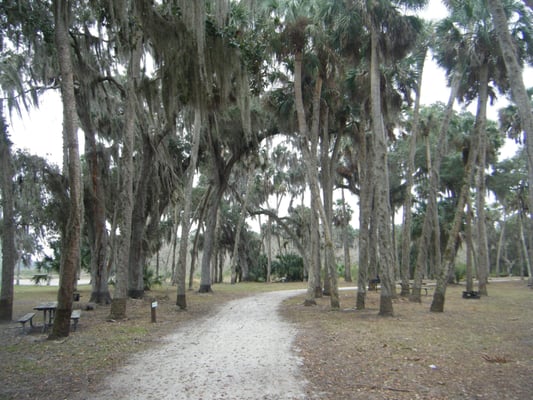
(244, 351)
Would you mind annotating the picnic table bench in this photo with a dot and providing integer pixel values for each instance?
(26, 318)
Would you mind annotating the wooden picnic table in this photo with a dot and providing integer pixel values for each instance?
(47, 308)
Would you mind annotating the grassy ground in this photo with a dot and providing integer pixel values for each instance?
(475, 349)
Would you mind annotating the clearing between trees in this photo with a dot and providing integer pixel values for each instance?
(221, 349)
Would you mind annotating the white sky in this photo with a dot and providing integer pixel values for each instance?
(40, 131)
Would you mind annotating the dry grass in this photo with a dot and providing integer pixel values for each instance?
(476, 349)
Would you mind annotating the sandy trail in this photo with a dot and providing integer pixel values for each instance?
(242, 352)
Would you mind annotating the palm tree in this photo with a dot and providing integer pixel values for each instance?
(386, 45)
(419, 60)
(513, 63)
(70, 254)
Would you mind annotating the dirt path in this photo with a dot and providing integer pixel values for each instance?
(242, 352)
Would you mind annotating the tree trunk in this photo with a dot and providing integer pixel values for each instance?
(310, 158)
(314, 288)
(408, 204)
(366, 196)
(431, 210)
(345, 241)
(523, 242)
(181, 272)
(96, 221)
(481, 119)
(518, 91)
(70, 254)
(469, 249)
(240, 224)
(125, 195)
(9, 250)
(194, 255)
(381, 182)
(210, 238)
(437, 304)
(139, 226)
(501, 241)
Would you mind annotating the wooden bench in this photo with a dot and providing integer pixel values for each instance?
(75, 317)
(25, 318)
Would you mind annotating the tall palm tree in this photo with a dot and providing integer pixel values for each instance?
(419, 60)
(70, 253)
(386, 45)
(513, 63)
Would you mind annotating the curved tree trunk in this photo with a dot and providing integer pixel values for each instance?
(70, 254)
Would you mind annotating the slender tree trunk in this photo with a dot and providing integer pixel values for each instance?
(469, 249)
(96, 223)
(437, 305)
(431, 211)
(181, 272)
(95, 200)
(9, 250)
(313, 271)
(501, 241)
(240, 224)
(174, 244)
(408, 204)
(481, 119)
(119, 303)
(381, 182)
(524, 246)
(194, 256)
(365, 169)
(518, 91)
(310, 157)
(70, 255)
(210, 238)
(345, 240)
(138, 222)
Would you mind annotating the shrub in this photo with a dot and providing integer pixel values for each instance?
(150, 279)
(460, 272)
(289, 266)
